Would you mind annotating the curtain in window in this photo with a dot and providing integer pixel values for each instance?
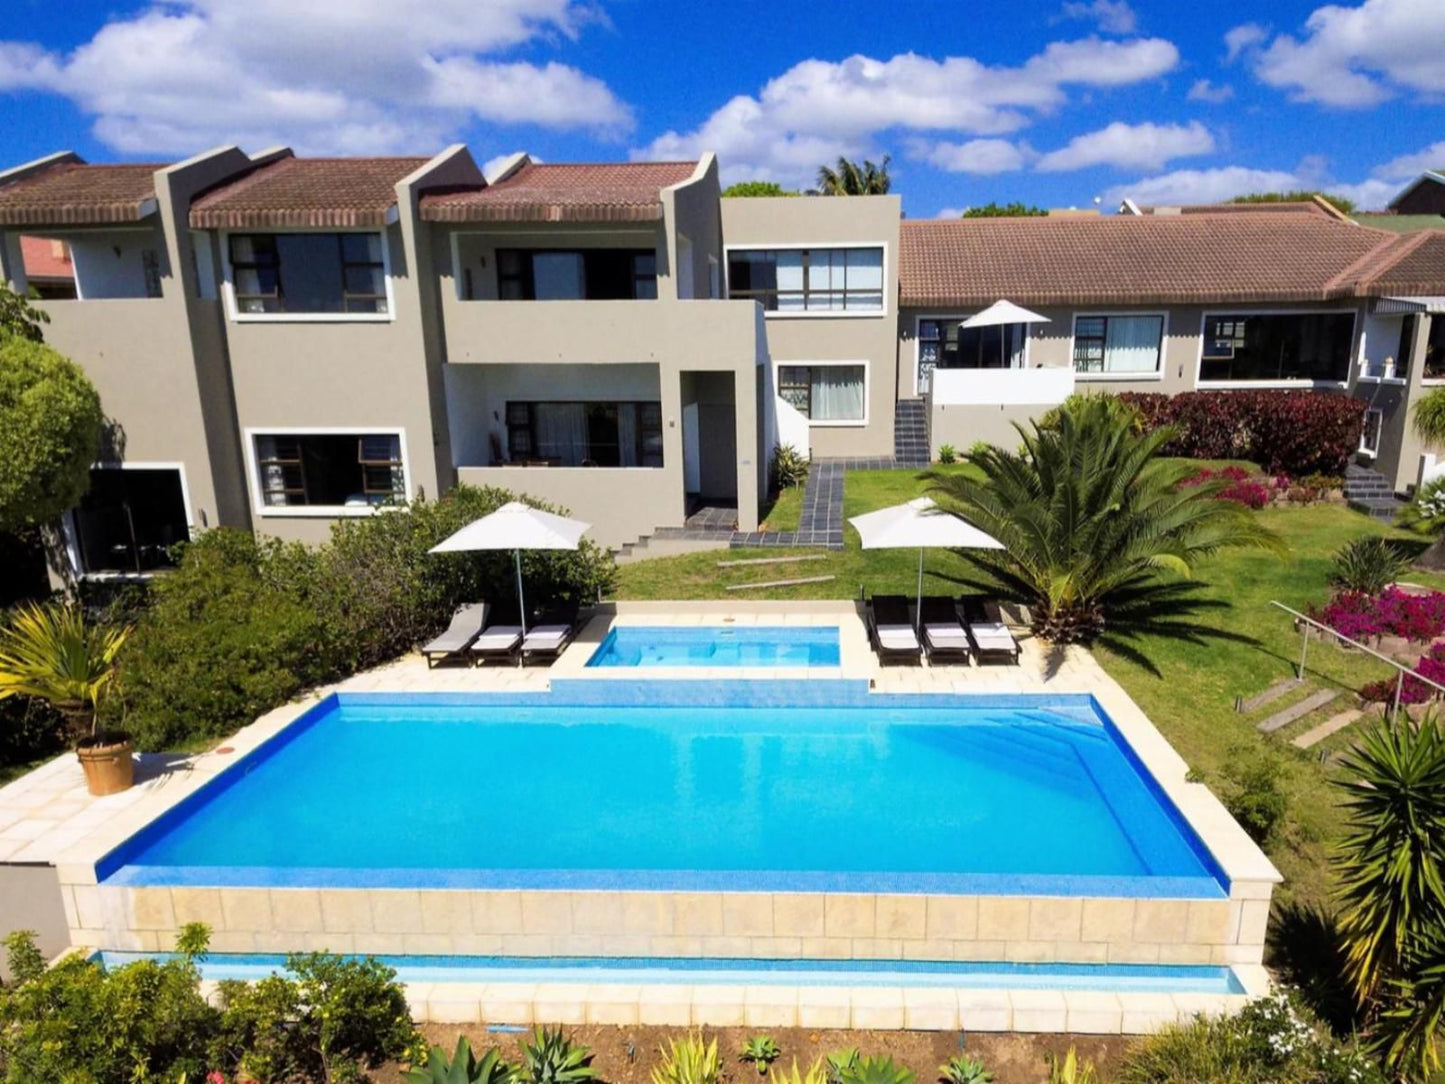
(1017, 335)
(627, 433)
(274, 476)
(865, 278)
(562, 432)
(1131, 344)
(837, 393)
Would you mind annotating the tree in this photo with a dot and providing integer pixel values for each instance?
(850, 179)
(756, 188)
(1301, 195)
(50, 433)
(1427, 418)
(1099, 538)
(19, 317)
(1005, 210)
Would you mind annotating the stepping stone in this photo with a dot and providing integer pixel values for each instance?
(1326, 728)
(1245, 705)
(1297, 711)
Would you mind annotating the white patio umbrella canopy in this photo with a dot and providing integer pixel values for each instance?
(516, 526)
(923, 524)
(1003, 312)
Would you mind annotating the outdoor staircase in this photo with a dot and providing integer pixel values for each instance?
(1369, 492)
(910, 433)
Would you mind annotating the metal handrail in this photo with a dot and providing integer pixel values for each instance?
(1401, 669)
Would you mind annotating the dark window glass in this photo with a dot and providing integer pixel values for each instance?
(945, 344)
(129, 520)
(809, 280)
(1278, 346)
(332, 470)
(1434, 361)
(589, 274)
(585, 434)
(308, 272)
(1370, 437)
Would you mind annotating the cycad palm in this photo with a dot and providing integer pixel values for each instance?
(1099, 538)
(51, 653)
(848, 178)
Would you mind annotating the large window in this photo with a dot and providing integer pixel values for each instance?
(129, 519)
(943, 343)
(824, 393)
(1433, 364)
(589, 274)
(308, 272)
(585, 434)
(1277, 346)
(1118, 344)
(809, 279)
(345, 470)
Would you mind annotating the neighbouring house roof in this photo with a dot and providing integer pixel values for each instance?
(306, 193)
(46, 260)
(612, 192)
(74, 193)
(1149, 259)
(1400, 223)
(1430, 176)
(1314, 206)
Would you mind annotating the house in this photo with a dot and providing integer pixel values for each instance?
(48, 268)
(281, 342)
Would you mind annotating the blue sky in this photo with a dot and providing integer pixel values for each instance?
(1055, 102)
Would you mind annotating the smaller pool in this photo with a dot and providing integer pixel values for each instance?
(717, 645)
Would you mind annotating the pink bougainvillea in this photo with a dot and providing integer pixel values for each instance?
(1412, 691)
(1391, 613)
(1241, 488)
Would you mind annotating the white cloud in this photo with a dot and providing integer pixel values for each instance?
(1130, 146)
(1201, 185)
(1371, 195)
(1111, 16)
(325, 78)
(1213, 93)
(817, 110)
(978, 156)
(1409, 166)
(950, 212)
(1241, 39)
(1358, 56)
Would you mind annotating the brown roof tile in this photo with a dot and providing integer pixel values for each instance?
(1166, 259)
(306, 193)
(612, 192)
(77, 194)
(1414, 266)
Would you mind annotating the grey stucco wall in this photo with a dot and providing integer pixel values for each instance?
(30, 899)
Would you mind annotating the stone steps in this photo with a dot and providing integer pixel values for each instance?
(1281, 719)
(1370, 492)
(910, 432)
(1332, 725)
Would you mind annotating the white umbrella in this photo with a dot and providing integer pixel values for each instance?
(920, 523)
(1000, 314)
(516, 526)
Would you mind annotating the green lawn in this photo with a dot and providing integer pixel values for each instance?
(1191, 697)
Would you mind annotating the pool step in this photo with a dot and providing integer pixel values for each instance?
(1281, 719)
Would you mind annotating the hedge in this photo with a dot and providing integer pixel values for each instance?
(1285, 432)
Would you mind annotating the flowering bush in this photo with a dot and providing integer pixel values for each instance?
(1412, 691)
(1243, 488)
(1292, 432)
(1390, 613)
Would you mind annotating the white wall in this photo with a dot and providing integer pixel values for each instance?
(1381, 342)
(109, 264)
(1002, 387)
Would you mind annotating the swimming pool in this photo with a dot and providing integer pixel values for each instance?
(717, 645)
(845, 792)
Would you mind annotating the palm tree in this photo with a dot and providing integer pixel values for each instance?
(850, 179)
(1428, 420)
(51, 653)
(1099, 537)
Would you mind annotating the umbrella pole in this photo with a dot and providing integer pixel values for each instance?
(521, 602)
(918, 614)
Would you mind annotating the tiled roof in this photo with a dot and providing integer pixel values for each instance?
(76, 194)
(1166, 259)
(46, 259)
(614, 192)
(1296, 207)
(1413, 266)
(306, 193)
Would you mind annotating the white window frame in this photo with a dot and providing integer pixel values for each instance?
(1353, 360)
(1156, 375)
(798, 246)
(918, 319)
(1379, 416)
(71, 533)
(228, 287)
(850, 423)
(316, 511)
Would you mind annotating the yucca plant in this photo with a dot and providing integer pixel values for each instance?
(762, 1051)
(1391, 862)
(1072, 1069)
(876, 1070)
(688, 1061)
(1368, 565)
(461, 1067)
(552, 1058)
(962, 1069)
(840, 1062)
(817, 1073)
(51, 652)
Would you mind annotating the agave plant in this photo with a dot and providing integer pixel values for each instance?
(840, 1062)
(877, 1070)
(817, 1073)
(51, 652)
(552, 1058)
(1072, 1069)
(962, 1069)
(1368, 565)
(762, 1051)
(1099, 537)
(688, 1061)
(461, 1067)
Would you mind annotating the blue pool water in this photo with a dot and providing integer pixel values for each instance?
(1116, 978)
(717, 645)
(910, 794)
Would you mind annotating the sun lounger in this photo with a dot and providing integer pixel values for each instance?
(553, 631)
(467, 624)
(943, 633)
(991, 638)
(891, 631)
(497, 642)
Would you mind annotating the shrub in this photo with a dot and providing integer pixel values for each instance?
(789, 467)
(1367, 565)
(1071, 1069)
(1425, 514)
(947, 453)
(688, 1061)
(1256, 799)
(876, 1070)
(840, 1062)
(461, 1067)
(762, 1051)
(816, 1073)
(1390, 613)
(552, 1058)
(962, 1069)
(978, 448)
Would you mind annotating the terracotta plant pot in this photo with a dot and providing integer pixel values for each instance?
(109, 767)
